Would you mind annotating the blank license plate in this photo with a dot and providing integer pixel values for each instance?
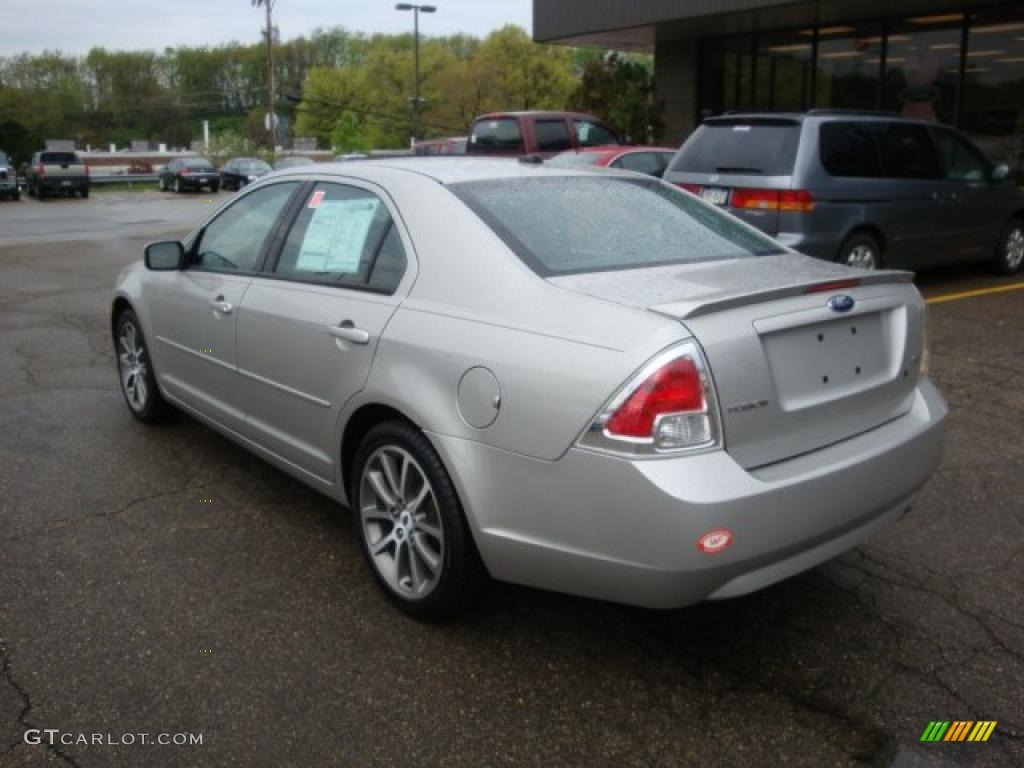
(65, 183)
(714, 195)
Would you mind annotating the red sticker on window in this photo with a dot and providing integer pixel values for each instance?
(316, 198)
(715, 541)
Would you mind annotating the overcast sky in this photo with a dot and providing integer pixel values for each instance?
(75, 26)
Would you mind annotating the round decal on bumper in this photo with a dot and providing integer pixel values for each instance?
(713, 542)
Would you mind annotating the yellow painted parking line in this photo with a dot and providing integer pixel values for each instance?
(972, 294)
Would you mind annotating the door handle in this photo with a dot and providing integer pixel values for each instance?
(224, 307)
(347, 330)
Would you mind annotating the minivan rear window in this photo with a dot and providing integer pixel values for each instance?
(561, 225)
(496, 133)
(59, 158)
(734, 146)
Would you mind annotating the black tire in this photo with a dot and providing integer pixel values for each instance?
(861, 250)
(1008, 259)
(16, 196)
(214, 188)
(463, 577)
(84, 193)
(153, 408)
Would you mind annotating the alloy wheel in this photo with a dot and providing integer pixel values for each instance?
(133, 367)
(1013, 248)
(862, 256)
(401, 522)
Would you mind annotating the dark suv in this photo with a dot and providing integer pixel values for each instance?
(864, 189)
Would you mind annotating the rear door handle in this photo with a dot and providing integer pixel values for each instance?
(222, 306)
(348, 331)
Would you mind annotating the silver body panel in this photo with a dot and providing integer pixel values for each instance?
(797, 481)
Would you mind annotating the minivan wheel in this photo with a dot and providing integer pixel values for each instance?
(411, 527)
(135, 369)
(1010, 255)
(862, 251)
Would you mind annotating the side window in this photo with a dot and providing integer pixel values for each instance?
(906, 151)
(961, 161)
(552, 135)
(641, 162)
(343, 235)
(591, 134)
(847, 149)
(234, 240)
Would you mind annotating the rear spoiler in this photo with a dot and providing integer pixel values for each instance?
(697, 307)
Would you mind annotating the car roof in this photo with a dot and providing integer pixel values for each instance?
(444, 169)
(865, 115)
(537, 113)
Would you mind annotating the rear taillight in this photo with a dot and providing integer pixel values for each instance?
(41, 170)
(772, 199)
(184, 172)
(668, 406)
(693, 189)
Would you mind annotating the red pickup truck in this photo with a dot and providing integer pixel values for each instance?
(537, 133)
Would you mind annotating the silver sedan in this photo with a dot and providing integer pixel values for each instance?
(584, 382)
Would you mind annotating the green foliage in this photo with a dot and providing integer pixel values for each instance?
(228, 144)
(348, 135)
(355, 89)
(620, 88)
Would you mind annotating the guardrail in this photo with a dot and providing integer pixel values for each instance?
(129, 179)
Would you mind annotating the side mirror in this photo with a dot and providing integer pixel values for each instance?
(167, 255)
(1001, 172)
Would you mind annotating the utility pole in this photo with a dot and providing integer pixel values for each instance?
(271, 113)
(416, 101)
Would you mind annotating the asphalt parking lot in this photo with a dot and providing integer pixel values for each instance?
(163, 580)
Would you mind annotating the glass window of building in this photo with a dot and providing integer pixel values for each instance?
(922, 67)
(849, 67)
(783, 70)
(992, 111)
(728, 65)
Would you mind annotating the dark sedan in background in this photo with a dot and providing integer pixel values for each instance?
(189, 173)
(239, 171)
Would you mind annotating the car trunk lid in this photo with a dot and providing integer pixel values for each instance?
(792, 373)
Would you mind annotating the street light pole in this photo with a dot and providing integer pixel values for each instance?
(416, 101)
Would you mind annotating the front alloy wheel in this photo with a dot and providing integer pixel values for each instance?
(138, 381)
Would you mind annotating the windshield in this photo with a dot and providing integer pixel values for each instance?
(574, 159)
(572, 224)
(761, 147)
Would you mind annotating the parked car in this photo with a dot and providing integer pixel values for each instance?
(295, 161)
(641, 159)
(239, 171)
(583, 381)
(537, 133)
(868, 190)
(59, 173)
(183, 174)
(8, 179)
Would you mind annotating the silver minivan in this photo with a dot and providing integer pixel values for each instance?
(864, 189)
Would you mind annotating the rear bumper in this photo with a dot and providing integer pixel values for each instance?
(51, 185)
(188, 183)
(621, 530)
(819, 245)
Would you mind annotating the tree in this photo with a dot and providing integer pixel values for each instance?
(620, 88)
(348, 135)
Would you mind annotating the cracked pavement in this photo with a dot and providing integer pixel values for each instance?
(128, 605)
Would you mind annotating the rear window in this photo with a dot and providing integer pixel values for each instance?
(573, 224)
(878, 150)
(761, 147)
(198, 165)
(575, 159)
(59, 158)
(498, 133)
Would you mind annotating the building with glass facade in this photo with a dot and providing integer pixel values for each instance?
(959, 63)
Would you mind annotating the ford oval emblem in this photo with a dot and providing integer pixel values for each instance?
(841, 303)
